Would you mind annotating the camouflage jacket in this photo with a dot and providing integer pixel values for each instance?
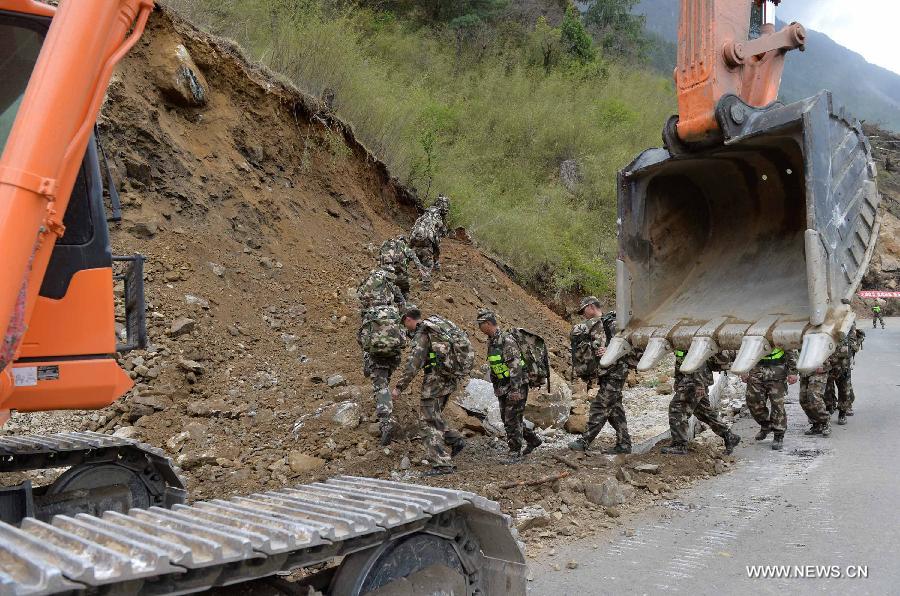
(378, 290)
(398, 254)
(505, 361)
(419, 357)
(704, 375)
(432, 224)
(776, 372)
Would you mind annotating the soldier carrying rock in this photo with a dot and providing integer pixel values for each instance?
(443, 351)
(510, 381)
(692, 398)
(588, 346)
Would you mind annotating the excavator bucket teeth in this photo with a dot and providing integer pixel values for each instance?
(765, 233)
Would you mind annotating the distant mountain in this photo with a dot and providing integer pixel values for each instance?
(871, 92)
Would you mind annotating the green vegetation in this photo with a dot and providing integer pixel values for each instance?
(457, 99)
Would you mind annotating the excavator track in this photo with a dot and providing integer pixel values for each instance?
(384, 531)
(103, 472)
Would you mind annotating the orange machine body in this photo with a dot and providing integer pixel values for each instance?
(716, 57)
(57, 346)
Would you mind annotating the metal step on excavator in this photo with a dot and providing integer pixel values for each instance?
(754, 226)
(391, 538)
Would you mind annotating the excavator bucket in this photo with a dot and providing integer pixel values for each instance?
(757, 242)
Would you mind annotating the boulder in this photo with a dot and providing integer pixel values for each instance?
(576, 424)
(347, 414)
(336, 380)
(127, 432)
(300, 462)
(550, 409)
(179, 79)
(479, 400)
(606, 494)
(191, 366)
(570, 174)
(533, 516)
(646, 468)
(181, 325)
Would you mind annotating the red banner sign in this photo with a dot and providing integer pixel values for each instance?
(878, 294)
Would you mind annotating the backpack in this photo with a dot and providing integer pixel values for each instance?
(451, 346)
(382, 335)
(609, 325)
(392, 254)
(425, 228)
(585, 364)
(376, 290)
(535, 355)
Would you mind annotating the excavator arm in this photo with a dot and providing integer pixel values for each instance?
(753, 227)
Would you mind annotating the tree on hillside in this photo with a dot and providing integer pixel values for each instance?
(575, 40)
(545, 44)
(457, 13)
(618, 31)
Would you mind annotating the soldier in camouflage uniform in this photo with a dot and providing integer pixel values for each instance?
(877, 316)
(840, 375)
(607, 404)
(397, 254)
(812, 394)
(510, 383)
(692, 398)
(378, 290)
(768, 382)
(437, 386)
(428, 231)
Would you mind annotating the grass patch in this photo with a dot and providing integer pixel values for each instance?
(488, 122)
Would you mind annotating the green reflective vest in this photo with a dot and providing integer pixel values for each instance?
(876, 309)
(776, 354)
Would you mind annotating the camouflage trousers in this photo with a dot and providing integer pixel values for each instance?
(840, 379)
(607, 407)
(692, 399)
(812, 393)
(380, 372)
(513, 414)
(762, 392)
(876, 317)
(436, 390)
(429, 253)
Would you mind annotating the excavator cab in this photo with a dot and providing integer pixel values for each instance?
(67, 355)
(756, 222)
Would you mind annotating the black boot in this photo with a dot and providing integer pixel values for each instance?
(815, 429)
(531, 446)
(778, 442)
(456, 448)
(842, 417)
(619, 448)
(762, 434)
(731, 441)
(578, 444)
(387, 432)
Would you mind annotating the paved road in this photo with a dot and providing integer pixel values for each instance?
(820, 502)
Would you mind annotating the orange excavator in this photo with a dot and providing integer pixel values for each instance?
(116, 519)
(753, 227)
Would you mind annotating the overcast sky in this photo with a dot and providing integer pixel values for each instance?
(868, 27)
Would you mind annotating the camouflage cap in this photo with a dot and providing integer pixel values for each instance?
(486, 315)
(587, 301)
(411, 310)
